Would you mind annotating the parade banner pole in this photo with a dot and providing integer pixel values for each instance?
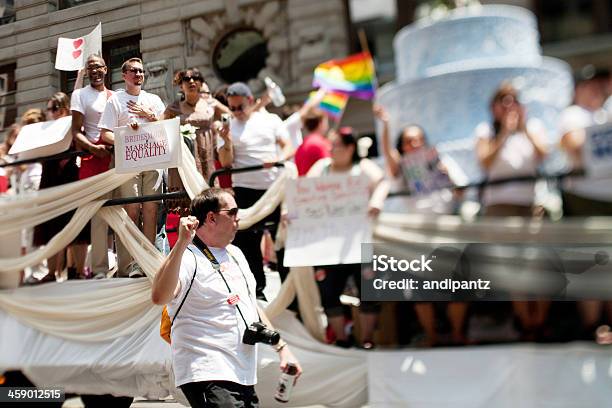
(363, 42)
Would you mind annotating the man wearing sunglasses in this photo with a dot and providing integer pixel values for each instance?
(213, 365)
(87, 105)
(129, 107)
(255, 137)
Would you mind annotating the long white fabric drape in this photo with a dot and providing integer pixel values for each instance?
(44, 311)
(108, 309)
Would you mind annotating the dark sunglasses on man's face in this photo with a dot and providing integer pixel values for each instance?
(232, 212)
(136, 70)
(238, 108)
(195, 78)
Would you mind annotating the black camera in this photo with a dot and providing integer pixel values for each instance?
(258, 333)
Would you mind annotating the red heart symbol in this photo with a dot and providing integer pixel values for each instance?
(75, 54)
(77, 43)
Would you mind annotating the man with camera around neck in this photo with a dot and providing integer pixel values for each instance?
(214, 334)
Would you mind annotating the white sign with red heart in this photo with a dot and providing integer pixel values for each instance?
(72, 53)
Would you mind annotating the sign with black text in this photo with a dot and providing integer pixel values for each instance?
(154, 145)
(328, 220)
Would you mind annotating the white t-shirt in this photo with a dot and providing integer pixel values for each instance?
(516, 158)
(293, 124)
(207, 334)
(255, 142)
(573, 118)
(116, 112)
(91, 103)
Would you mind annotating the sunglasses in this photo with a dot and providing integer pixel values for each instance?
(136, 70)
(95, 67)
(195, 78)
(238, 108)
(232, 212)
(52, 109)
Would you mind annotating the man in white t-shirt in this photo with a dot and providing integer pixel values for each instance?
(210, 294)
(584, 196)
(129, 107)
(253, 139)
(87, 105)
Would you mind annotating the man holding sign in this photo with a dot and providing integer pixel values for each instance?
(130, 107)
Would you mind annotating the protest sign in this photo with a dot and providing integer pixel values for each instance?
(154, 145)
(43, 139)
(72, 53)
(328, 220)
(597, 152)
(422, 173)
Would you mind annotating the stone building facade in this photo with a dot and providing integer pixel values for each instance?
(168, 35)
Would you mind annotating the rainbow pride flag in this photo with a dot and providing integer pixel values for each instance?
(353, 75)
(333, 103)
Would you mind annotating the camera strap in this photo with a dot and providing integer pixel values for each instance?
(188, 289)
(217, 267)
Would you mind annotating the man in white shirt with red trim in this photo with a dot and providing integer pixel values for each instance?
(87, 105)
(211, 287)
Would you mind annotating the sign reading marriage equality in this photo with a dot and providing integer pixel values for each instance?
(72, 53)
(154, 145)
(597, 153)
(328, 220)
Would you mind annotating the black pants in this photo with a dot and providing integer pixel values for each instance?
(220, 394)
(333, 285)
(249, 241)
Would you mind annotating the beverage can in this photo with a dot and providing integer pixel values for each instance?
(285, 383)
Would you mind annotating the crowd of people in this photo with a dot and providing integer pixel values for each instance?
(234, 129)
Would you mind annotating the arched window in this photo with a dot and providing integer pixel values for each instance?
(240, 55)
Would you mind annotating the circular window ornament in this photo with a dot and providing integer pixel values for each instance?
(240, 55)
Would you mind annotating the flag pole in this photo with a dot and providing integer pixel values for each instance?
(342, 114)
(363, 42)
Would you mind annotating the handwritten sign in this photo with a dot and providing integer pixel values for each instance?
(422, 172)
(154, 145)
(328, 220)
(597, 153)
(43, 139)
(72, 53)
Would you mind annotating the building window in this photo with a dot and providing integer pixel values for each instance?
(115, 52)
(240, 55)
(7, 11)
(8, 108)
(64, 4)
(563, 20)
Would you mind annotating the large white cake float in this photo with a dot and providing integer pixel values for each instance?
(448, 70)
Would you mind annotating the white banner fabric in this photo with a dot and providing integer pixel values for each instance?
(43, 139)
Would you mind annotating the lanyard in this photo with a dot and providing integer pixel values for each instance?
(215, 264)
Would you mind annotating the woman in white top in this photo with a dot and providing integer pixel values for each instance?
(345, 160)
(511, 147)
